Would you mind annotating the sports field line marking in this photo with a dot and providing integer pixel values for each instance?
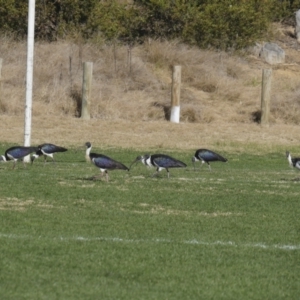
(157, 240)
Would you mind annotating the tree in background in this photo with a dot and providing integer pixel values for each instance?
(207, 23)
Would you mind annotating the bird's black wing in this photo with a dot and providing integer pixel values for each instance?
(166, 161)
(208, 155)
(105, 162)
(51, 148)
(19, 151)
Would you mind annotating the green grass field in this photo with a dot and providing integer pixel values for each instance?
(233, 233)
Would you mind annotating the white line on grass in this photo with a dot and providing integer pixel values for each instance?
(158, 240)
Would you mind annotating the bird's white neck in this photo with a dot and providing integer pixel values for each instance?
(3, 157)
(289, 157)
(147, 162)
(87, 153)
(143, 160)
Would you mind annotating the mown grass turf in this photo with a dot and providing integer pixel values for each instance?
(232, 233)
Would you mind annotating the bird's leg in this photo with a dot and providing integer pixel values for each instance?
(200, 166)
(102, 175)
(168, 173)
(156, 173)
(194, 166)
(45, 159)
(209, 167)
(99, 175)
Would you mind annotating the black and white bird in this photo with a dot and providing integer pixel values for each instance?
(16, 153)
(103, 162)
(47, 150)
(206, 156)
(293, 161)
(160, 161)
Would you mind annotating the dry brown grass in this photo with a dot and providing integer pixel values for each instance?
(21, 204)
(131, 95)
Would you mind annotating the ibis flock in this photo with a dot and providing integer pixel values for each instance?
(105, 163)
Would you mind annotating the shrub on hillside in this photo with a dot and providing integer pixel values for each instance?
(221, 24)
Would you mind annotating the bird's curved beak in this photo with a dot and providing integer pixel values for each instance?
(135, 161)
(193, 161)
(80, 148)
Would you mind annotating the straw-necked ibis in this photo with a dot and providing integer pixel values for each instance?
(47, 150)
(103, 162)
(17, 152)
(207, 156)
(160, 161)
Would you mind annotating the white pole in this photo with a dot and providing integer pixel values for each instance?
(175, 94)
(29, 74)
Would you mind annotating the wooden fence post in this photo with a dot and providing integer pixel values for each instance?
(86, 90)
(1, 61)
(266, 96)
(297, 29)
(175, 94)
